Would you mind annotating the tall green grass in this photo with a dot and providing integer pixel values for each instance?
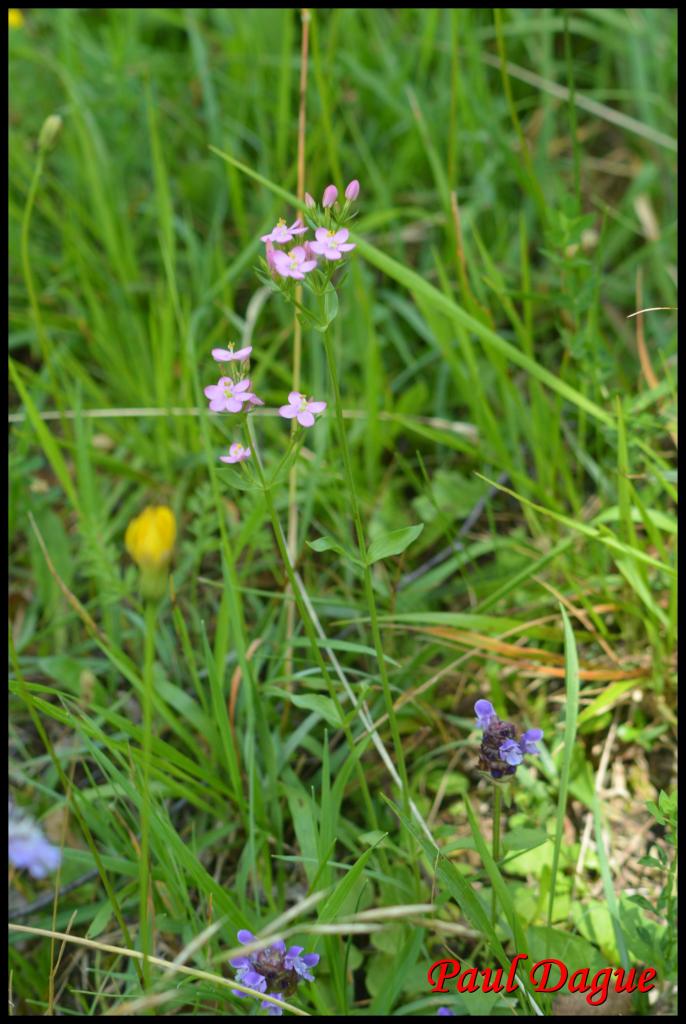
(517, 204)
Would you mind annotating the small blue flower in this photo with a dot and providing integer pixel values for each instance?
(511, 753)
(485, 713)
(301, 964)
(27, 846)
(445, 1011)
(529, 740)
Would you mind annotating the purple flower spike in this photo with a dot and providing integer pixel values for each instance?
(529, 740)
(500, 752)
(353, 190)
(284, 968)
(330, 196)
(331, 244)
(510, 753)
(485, 713)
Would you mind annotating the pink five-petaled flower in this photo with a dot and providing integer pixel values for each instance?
(227, 355)
(294, 263)
(229, 395)
(282, 234)
(301, 409)
(331, 244)
(237, 453)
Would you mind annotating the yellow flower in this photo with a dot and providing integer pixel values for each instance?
(150, 542)
(15, 19)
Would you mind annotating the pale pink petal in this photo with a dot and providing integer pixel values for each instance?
(295, 398)
(346, 247)
(316, 406)
(241, 385)
(306, 419)
(222, 355)
(299, 252)
(308, 265)
(341, 235)
(288, 412)
(218, 404)
(243, 353)
(321, 234)
(281, 263)
(234, 404)
(213, 390)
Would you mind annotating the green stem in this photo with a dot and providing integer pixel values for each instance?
(368, 582)
(26, 267)
(306, 620)
(146, 803)
(497, 798)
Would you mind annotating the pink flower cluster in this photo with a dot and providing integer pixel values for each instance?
(234, 394)
(330, 242)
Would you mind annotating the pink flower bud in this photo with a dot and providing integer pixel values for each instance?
(330, 196)
(353, 190)
(309, 201)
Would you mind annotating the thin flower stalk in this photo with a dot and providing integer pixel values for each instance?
(369, 588)
(306, 619)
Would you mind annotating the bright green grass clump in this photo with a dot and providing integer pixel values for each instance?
(285, 742)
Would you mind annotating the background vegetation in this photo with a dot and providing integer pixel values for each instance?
(517, 203)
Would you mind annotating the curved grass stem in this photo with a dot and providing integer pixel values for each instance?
(368, 582)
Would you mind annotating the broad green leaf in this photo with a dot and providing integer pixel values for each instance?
(393, 543)
(324, 706)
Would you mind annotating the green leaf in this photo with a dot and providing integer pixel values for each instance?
(525, 839)
(102, 918)
(326, 544)
(331, 909)
(329, 309)
(605, 700)
(393, 543)
(329, 544)
(324, 706)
